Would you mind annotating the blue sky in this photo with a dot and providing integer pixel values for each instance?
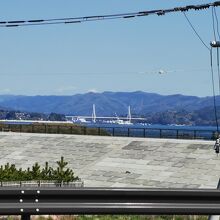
(106, 55)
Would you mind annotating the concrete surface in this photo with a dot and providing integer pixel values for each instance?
(118, 161)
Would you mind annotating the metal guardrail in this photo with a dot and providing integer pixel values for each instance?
(177, 133)
(35, 201)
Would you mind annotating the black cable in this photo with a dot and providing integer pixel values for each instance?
(191, 25)
(213, 90)
(71, 20)
(215, 18)
(218, 69)
(57, 22)
(211, 62)
(217, 23)
(213, 23)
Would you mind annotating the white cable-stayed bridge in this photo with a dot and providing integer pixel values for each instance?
(93, 117)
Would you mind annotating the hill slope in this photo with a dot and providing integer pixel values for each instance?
(107, 103)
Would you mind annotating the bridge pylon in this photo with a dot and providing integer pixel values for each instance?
(129, 113)
(93, 114)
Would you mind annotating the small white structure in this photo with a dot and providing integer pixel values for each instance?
(93, 114)
(129, 114)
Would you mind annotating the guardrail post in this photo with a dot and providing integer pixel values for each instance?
(25, 217)
(99, 131)
(144, 132)
(177, 134)
(215, 217)
(113, 131)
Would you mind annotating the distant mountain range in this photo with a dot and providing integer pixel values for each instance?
(163, 109)
(107, 103)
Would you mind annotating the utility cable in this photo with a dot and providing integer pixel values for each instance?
(213, 90)
(72, 20)
(214, 27)
(217, 23)
(211, 62)
(58, 22)
(218, 68)
(191, 25)
(213, 24)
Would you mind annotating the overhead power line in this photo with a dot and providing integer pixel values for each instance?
(217, 24)
(213, 90)
(214, 43)
(214, 27)
(74, 20)
(193, 28)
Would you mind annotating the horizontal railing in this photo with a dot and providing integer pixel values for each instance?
(35, 201)
(177, 133)
(159, 133)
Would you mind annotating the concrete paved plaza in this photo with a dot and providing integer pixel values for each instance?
(118, 161)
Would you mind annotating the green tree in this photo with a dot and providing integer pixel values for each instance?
(36, 172)
(10, 115)
(46, 173)
(60, 174)
(56, 117)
